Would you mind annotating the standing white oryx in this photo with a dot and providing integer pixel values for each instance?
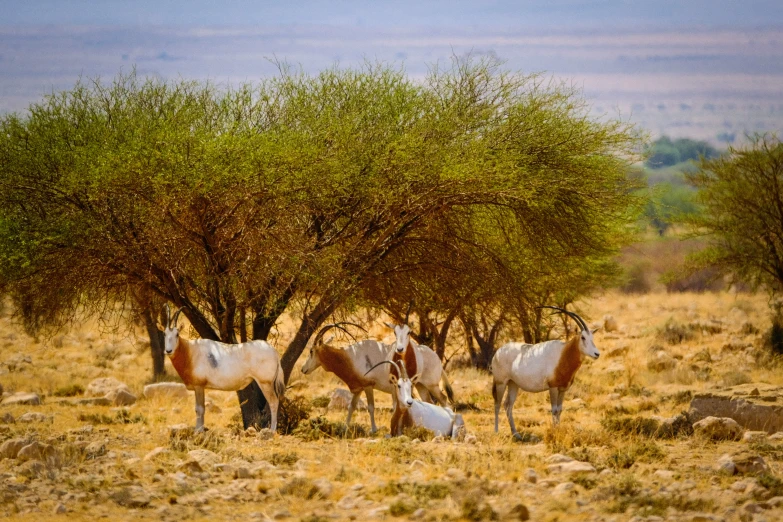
(354, 366)
(422, 361)
(409, 412)
(202, 363)
(550, 365)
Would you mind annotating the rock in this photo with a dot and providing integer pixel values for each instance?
(33, 416)
(104, 385)
(7, 418)
(242, 472)
(664, 474)
(31, 468)
(610, 324)
(95, 449)
(749, 464)
(131, 497)
(37, 451)
(10, 448)
(754, 436)
(471, 439)
(754, 412)
(121, 397)
(718, 428)
(160, 450)
(557, 458)
(566, 488)
(519, 512)
(323, 486)
(190, 467)
(418, 514)
(204, 457)
(169, 390)
(531, 475)
(726, 465)
(661, 361)
(572, 467)
(60, 509)
(181, 431)
(30, 399)
(618, 351)
(778, 435)
(341, 399)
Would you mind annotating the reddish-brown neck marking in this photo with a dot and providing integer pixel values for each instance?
(409, 358)
(569, 363)
(401, 419)
(182, 360)
(336, 360)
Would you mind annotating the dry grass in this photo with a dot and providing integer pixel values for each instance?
(605, 422)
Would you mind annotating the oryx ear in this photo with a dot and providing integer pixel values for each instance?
(329, 340)
(415, 378)
(597, 329)
(388, 325)
(392, 378)
(161, 327)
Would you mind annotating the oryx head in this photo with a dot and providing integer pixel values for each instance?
(586, 343)
(313, 361)
(403, 385)
(171, 330)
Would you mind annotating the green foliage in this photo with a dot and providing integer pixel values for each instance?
(352, 186)
(665, 153)
(740, 194)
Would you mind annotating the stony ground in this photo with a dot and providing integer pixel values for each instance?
(622, 452)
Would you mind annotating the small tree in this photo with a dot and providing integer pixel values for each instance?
(741, 197)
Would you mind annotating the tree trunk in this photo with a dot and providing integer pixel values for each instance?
(156, 345)
(310, 324)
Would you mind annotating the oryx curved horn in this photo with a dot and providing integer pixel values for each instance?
(176, 316)
(570, 314)
(400, 370)
(167, 309)
(329, 326)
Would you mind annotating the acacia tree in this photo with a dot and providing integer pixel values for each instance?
(741, 199)
(296, 195)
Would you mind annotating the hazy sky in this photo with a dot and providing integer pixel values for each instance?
(705, 68)
(560, 14)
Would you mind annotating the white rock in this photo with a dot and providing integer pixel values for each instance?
(100, 387)
(31, 399)
(754, 436)
(341, 399)
(664, 474)
(571, 467)
(33, 416)
(160, 450)
(171, 390)
(531, 475)
(557, 458)
(718, 428)
(204, 457)
(121, 397)
(566, 488)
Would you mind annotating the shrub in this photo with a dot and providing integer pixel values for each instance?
(290, 413)
(674, 332)
(69, 390)
(321, 427)
(120, 417)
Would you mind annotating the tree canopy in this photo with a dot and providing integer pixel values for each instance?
(741, 195)
(476, 187)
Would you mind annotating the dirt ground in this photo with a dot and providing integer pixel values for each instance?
(91, 461)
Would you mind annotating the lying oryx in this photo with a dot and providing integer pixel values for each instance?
(410, 412)
(202, 363)
(550, 365)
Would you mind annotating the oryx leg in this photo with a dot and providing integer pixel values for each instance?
(424, 392)
(438, 395)
(199, 408)
(560, 397)
(352, 406)
(498, 390)
(368, 392)
(268, 389)
(556, 401)
(511, 398)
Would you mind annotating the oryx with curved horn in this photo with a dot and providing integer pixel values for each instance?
(409, 412)
(203, 363)
(355, 365)
(420, 360)
(550, 365)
